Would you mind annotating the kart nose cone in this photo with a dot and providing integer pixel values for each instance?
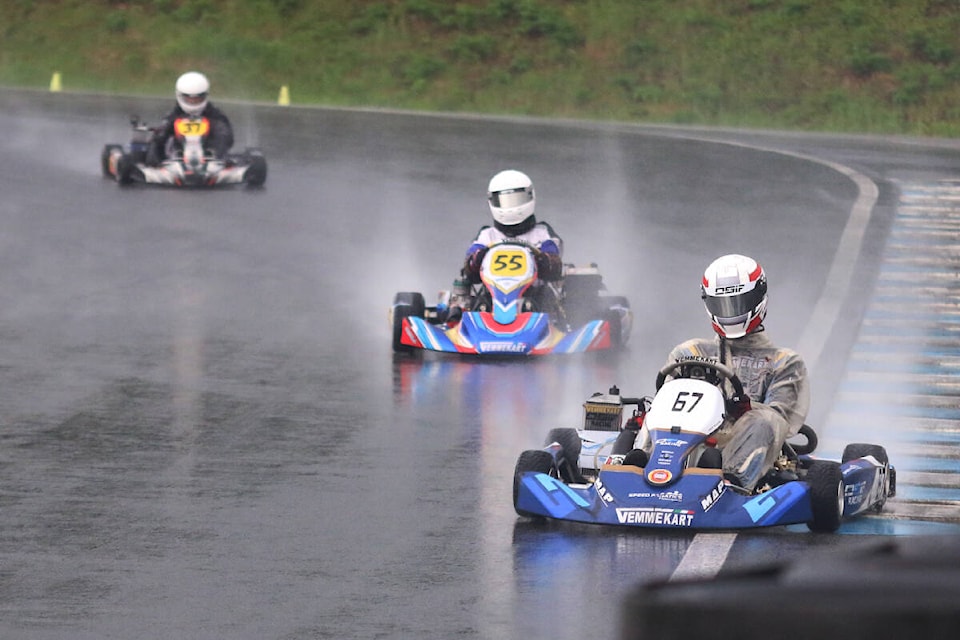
(659, 477)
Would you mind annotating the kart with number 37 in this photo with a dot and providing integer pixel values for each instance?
(188, 164)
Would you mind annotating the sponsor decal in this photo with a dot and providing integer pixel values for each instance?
(505, 347)
(598, 407)
(854, 493)
(603, 493)
(668, 496)
(660, 476)
(671, 442)
(711, 498)
(758, 507)
(697, 359)
(665, 458)
(650, 515)
(733, 288)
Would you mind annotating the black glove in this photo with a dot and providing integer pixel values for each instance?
(474, 260)
(549, 266)
(737, 406)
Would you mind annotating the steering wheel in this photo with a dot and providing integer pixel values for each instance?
(513, 242)
(712, 372)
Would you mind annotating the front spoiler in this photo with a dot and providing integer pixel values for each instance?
(530, 334)
(178, 175)
(699, 500)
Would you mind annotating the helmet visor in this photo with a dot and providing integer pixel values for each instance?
(511, 198)
(194, 100)
(733, 309)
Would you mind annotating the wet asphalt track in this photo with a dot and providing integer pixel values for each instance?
(204, 434)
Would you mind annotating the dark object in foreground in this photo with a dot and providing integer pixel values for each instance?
(900, 588)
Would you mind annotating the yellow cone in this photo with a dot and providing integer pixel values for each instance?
(284, 99)
(55, 82)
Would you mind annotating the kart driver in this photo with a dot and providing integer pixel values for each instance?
(512, 202)
(191, 91)
(734, 291)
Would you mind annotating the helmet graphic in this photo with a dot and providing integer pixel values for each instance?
(192, 90)
(734, 291)
(511, 198)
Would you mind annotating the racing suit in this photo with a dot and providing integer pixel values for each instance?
(539, 235)
(219, 140)
(775, 380)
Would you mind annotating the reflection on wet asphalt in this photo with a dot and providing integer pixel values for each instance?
(204, 433)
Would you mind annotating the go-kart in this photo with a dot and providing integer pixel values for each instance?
(600, 475)
(188, 162)
(511, 312)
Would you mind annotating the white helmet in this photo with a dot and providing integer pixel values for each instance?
(511, 197)
(734, 290)
(192, 90)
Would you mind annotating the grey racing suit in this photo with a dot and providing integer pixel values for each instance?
(776, 381)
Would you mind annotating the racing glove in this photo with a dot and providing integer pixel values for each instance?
(737, 406)
(549, 266)
(472, 267)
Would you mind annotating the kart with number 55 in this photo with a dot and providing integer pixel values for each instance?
(188, 163)
(511, 312)
(599, 475)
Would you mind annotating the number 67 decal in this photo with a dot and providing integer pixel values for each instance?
(686, 401)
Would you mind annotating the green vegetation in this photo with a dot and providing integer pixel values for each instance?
(884, 66)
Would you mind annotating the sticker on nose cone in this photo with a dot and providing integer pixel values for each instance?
(659, 476)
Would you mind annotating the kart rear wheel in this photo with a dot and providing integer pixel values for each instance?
(862, 450)
(569, 441)
(405, 303)
(711, 458)
(108, 150)
(536, 460)
(612, 316)
(826, 495)
(625, 441)
(256, 173)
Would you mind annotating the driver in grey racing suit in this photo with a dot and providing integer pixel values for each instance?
(734, 291)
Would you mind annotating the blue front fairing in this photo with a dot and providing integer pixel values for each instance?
(700, 500)
(491, 337)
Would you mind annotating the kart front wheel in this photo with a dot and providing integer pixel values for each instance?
(826, 495)
(405, 303)
(569, 461)
(536, 460)
(124, 170)
(108, 151)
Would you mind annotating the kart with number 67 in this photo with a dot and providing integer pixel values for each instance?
(674, 478)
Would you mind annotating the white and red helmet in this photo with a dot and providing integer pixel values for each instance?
(734, 291)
